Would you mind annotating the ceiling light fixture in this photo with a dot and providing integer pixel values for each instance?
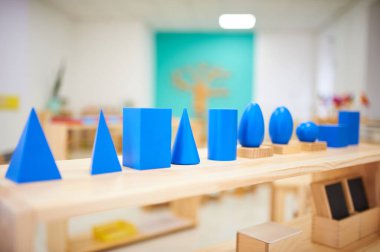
(237, 21)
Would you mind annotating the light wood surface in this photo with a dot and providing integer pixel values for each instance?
(316, 146)
(57, 135)
(184, 215)
(291, 148)
(259, 152)
(162, 225)
(270, 232)
(298, 186)
(80, 193)
(370, 243)
(333, 233)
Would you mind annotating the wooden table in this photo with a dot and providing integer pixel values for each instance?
(79, 193)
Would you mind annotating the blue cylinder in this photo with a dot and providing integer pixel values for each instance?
(222, 134)
(351, 119)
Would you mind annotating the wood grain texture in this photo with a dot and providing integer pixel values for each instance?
(56, 232)
(369, 243)
(369, 222)
(335, 234)
(80, 193)
(291, 148)
(163, 225)
(259, 152)
(316, 146)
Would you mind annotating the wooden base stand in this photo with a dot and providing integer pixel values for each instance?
(286, 148)
(259, 152)
(316, 146)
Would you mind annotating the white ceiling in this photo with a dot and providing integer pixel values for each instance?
(203, 14)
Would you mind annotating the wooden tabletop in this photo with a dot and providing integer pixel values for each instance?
(80, 193)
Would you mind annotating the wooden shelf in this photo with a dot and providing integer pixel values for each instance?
(80, 193)
(162, 225)
(369, 243)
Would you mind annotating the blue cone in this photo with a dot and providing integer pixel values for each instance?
(184, 149)
(32, 160)
(104, 157)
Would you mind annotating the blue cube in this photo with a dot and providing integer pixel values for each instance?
(333, 135)
(222, 134)
(146, 138)
(351, 119)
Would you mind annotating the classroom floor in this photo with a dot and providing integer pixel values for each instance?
(219, 221)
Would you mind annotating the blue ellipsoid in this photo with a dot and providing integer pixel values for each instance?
(251, 127)
(32, 160)
(281, 126)
(185, 149)
(307, 132)
(104, 157)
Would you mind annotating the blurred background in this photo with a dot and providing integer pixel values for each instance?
(70, 58)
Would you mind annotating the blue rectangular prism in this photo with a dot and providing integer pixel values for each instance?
(147, 138)
(222, 134)
(351, 119)
(333, 135)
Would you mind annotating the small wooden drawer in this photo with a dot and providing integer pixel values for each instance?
(334, 233)
(369, 221)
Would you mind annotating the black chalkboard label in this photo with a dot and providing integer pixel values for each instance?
(337, 201)
(358, 195)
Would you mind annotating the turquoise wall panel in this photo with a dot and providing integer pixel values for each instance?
(217, 65)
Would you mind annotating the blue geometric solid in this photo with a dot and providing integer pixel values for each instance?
(185, 149)
(251, 127)
(32, 160)
(307, 132)
(334, 135)
(147, 138)
(352, 121)
(281, 126)
(222, 134)
(104, 157)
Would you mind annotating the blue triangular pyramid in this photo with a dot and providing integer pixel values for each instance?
(104, 157)
(184, 149)
(32, 159)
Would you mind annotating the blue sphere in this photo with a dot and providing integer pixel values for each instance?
(251, 127)
(307, 132)
(281, 126)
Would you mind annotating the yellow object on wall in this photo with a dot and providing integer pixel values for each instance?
(113, 231)
(9, 102)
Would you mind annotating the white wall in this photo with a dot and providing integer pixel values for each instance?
(111, 63)
(342, 53)
(373, 65)
(284, 68)
(35, 39)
